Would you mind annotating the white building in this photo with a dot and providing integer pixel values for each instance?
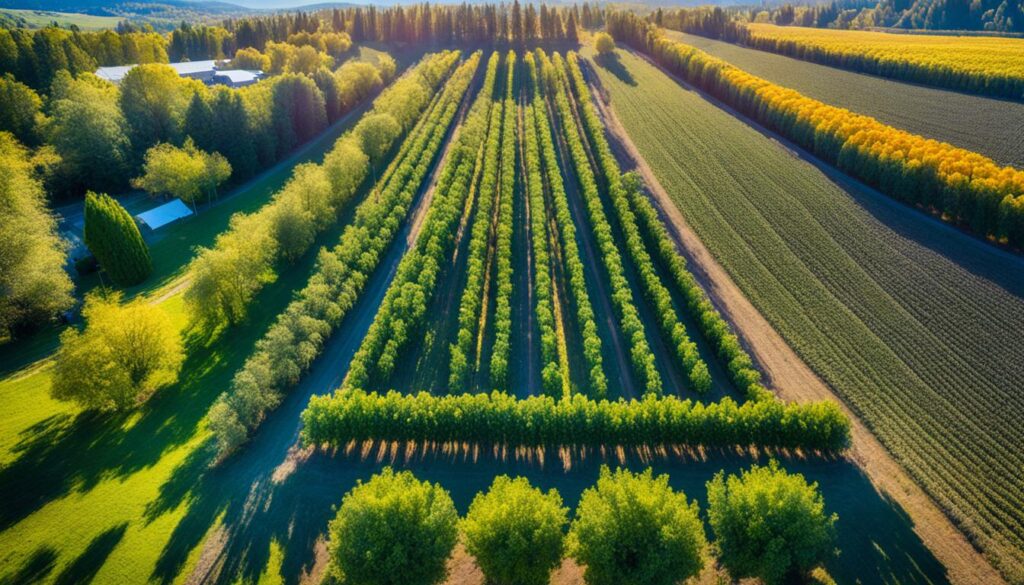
(205, 71)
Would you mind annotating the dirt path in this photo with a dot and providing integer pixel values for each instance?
(793, 380)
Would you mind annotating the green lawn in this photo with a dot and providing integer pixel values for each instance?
(980, 124)
(914, 324)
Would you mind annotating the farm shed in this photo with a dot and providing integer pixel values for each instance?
(167, 213)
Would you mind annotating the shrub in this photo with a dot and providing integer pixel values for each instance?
(393, 530)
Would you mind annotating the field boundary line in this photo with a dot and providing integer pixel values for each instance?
(792, 379)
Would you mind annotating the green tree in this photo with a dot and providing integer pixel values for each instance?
(154, 99)
(634, 529)
(86, 128)
(250, 59)
(19, 108)
(604, 43)
(377, 132)
(393, 530)
(516, 532)
(114, 239)
(186, 173)
(769, 524)
(125, 353)
(33, 284)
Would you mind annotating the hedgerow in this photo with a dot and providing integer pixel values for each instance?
(473, 293)
(405, 303)
(553, 376)
(672, 329)
(501, 348)
(297, 336)
(641, 358)
(226, 277)
(500, 419)
(598, 382)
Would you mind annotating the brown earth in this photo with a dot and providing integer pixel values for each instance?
(793, 380)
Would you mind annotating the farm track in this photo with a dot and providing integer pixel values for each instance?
(981, 124)
(608, 326)
(796, 381)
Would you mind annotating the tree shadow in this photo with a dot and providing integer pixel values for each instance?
(613, 64)
(84, 568)
(35, 568)
(62, 454)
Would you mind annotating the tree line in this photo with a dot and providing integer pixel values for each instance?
(672, 329)
(298, 334)
(401, 314)
(479, 252)
(627, 528)
(641, 356)
(225, 278)
(501, 348)
(963, 186)
(597, 385)
(537, 421)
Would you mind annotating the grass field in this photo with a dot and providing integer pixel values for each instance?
(44, 18)
(980, 124)
(913, 323)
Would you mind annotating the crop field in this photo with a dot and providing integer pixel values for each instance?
(980, 124)
(902, 317)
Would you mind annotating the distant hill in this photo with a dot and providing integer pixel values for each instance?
(162, 8)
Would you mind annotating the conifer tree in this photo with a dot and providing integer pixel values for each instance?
(113, 237)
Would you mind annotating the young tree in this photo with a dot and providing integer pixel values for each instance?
(114, 239)
(393, 530)
(186, 173)
(769, 524)
(633, 528)
(604, 43)
(125, 353)
(33, 284)
(515, 532)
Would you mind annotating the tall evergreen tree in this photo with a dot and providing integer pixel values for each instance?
(113, 237)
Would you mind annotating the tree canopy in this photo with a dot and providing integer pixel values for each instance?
(125, 353)
(516, 532)
(114, 239)
(186, 173)
(34, 286)
(769, 524)
(393, 530)
(635, 529)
